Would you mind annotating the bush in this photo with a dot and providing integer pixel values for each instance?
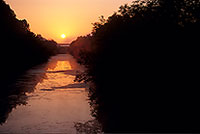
(142, 67)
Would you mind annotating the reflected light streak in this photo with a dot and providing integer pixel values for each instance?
(60, 65)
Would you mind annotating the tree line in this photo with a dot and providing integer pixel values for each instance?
(20, 48)
(141, 63)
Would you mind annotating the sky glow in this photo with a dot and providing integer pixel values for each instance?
(52, 18)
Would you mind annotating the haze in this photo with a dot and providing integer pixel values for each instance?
(52, 18)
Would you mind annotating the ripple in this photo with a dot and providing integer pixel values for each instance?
(47, 89)
(75, 85)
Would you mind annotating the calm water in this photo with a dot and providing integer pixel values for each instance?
(51, 101)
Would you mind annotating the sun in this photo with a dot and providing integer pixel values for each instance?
(63, 36)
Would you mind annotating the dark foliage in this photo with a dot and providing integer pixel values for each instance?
(20, 48)
(82, 43)
(143, 66)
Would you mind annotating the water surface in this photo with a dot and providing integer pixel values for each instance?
(52, 101)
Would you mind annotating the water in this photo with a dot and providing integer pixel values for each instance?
(50, 101)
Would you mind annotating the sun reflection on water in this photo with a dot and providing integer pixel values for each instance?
(57, 75)
(60, 65)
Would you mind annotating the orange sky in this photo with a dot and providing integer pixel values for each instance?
(51, 18)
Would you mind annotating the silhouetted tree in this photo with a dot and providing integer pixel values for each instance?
(20, 48)
(82, 43)
(143, 64)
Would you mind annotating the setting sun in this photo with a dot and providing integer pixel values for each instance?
(64, 16)
(63, 36)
